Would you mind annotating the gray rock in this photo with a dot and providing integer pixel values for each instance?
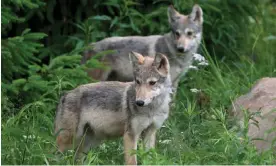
(261, 100)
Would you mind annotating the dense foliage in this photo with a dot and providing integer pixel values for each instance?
(42, 42)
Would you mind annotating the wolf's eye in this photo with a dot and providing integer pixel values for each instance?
(138, 82)
(189, 33)
(177, 34)
(152, 82)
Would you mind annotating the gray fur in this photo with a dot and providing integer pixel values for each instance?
(98, 97)
(121, 69)
(97, 111)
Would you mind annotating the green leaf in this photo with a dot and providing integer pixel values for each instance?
(101, 17)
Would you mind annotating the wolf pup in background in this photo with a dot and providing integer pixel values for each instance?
(179, 45)
(97, 111)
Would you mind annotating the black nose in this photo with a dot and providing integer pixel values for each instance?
(180, 49)
(140, 102)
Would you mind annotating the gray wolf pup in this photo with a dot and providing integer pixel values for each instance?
(179, 45)
(93, 112)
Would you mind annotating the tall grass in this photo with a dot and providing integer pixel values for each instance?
(193, 134)
(199, 130)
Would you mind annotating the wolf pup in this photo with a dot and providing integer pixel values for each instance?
(97, 111)
(179, 45)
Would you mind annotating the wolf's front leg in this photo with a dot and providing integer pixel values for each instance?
(130, 144)
(150, 136)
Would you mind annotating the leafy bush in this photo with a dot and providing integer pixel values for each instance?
(42, 43)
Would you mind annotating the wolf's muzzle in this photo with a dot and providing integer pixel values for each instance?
(140, 103)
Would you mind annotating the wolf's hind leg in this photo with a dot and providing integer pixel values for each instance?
(64, 140)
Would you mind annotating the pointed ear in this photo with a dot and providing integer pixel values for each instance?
(162, 64)
(197, 14)
(136, 58)
(173, 15)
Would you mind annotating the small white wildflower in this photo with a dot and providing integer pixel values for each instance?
(30, 137)
(163, 126)
(194, 90)
(198, 57)
(205, 63)
(71, 151)
(103, 146)
(193, 67)
(182, 132)
(270, 37)
(166, 141)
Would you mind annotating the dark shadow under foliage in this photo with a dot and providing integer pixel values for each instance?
(74, 24)
(42, 42)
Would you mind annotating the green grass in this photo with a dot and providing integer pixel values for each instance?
(193, 134)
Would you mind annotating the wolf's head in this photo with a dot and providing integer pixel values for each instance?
(186, 29)
(151, 76)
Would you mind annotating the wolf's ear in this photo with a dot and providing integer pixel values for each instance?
(162, 64)
(173, 15)
(136, 58)
(197, 14)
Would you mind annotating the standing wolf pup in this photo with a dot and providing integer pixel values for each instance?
(93, 112)
(179, 45)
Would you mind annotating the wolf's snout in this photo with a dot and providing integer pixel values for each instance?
(182, 49)
(140, 103)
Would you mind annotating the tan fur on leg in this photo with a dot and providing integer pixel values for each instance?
(130, 144)
(64, 141)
